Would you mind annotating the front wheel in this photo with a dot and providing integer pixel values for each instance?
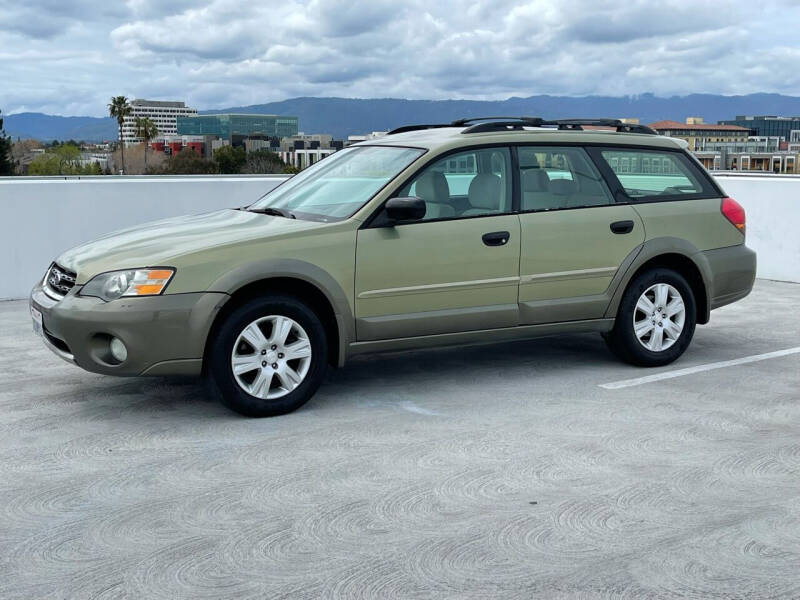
(656, 319)
(268, 358)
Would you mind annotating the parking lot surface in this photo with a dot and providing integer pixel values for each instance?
(491, 471)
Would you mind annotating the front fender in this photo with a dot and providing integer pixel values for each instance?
(232, 281)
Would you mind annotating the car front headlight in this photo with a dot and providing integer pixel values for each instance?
(133, 282)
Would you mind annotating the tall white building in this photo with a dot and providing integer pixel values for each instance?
(163, 114)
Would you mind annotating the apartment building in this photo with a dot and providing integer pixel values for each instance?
(164, 114)
(698, 134)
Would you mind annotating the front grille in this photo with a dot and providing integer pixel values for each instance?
(59, 281)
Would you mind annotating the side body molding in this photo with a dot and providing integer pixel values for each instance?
(290, 268)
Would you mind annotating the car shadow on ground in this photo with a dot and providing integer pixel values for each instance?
(372, 378)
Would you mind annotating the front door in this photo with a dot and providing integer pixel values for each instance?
(574, 238)
(455, 270)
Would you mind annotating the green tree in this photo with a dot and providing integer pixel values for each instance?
(6, 164)
(188, 162)
(63, 159)
(230, 160)
(45, 164)
(147, 130)
(119, 108)
(263, 161)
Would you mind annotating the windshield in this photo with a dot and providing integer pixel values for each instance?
(336, 187)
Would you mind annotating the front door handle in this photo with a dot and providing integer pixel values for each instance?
(622, 226)
(496, 238)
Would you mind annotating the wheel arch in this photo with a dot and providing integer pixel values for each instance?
(302, 280)
(680, 256)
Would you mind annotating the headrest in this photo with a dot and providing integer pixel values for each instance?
(484, 191)
(432, 187)
(562, 187)
(535, 180)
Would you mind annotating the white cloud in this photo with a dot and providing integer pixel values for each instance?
(69, 57)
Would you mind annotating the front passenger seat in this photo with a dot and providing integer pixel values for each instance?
(484, 194)
(433, 188)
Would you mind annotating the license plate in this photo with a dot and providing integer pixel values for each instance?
(37, 322)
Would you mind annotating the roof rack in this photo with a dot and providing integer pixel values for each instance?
(621, 126)
(405, 128)
(531, 121)
(499, 123)
(494, 125)
(488, 124)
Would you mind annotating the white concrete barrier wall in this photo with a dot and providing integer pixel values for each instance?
(42, 217)
(772, 206)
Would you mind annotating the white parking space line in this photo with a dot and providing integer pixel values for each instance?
(615, 385)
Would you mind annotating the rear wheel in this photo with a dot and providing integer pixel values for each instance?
(656, 319)
(269, 357)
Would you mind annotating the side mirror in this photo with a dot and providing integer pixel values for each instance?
(405, 209)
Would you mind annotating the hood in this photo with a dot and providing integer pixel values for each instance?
(160, 242)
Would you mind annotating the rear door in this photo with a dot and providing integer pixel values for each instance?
(574, 237)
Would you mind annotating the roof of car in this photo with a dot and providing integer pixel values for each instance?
(446, 138)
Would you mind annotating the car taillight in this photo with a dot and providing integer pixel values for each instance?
(734, 212)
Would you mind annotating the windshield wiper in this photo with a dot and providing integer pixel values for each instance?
(269, 210)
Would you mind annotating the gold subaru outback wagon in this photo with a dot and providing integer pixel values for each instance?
(479, 230)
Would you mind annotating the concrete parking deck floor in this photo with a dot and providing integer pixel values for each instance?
(494, 471)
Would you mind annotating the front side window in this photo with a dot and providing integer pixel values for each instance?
(553, 177)
(336, 187)
(646, 173)
(465, 184)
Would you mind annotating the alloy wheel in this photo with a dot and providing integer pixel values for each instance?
(271, 357)
(659, 317)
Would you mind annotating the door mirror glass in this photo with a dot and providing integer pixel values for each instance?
(405, 209)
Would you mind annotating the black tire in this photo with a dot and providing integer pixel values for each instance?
(220, 378)
(623, 341)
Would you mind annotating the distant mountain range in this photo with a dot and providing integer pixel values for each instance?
(344, 116)
(53, 127)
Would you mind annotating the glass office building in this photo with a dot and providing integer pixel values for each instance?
(228, 126)
(766, 126)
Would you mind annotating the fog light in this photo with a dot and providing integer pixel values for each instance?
(118, 349)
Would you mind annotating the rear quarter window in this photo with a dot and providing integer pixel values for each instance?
(657, 175)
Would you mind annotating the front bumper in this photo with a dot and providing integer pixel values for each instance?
(164, 335)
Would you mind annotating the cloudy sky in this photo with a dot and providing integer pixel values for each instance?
(68, 56)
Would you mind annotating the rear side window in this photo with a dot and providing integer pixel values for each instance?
(553, 177)
(649, 174)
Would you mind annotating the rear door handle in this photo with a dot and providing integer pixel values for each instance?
(496, 238)
(622, 226)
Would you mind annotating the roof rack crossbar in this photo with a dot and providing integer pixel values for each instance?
(516, 124)
(620, 126)
(462, 122)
